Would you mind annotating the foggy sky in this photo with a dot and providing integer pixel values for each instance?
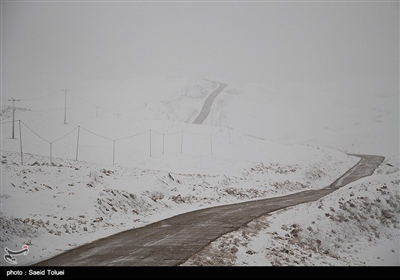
(243, 41)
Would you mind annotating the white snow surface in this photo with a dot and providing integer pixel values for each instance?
(140, 160)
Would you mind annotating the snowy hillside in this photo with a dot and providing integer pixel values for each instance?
(357, 225)
(129, 155)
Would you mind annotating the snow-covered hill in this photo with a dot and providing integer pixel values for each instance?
(137, 157)
(357, 225)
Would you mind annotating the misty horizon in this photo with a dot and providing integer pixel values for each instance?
(258, 42)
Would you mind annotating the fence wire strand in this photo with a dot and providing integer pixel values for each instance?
(35, 132)
(132, 136)
(64, 135)
(146, 131)
(97, 134)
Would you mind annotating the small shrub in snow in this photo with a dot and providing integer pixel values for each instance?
(156, 195)
(96, 178)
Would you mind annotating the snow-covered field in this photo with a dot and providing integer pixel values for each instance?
(138, 159)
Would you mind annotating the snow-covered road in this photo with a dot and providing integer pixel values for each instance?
(174, 240)
(205, 111)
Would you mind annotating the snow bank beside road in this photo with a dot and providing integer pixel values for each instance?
(56, 208)
(355, 225)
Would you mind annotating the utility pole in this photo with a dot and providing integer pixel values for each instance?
(65, 105)
(211, 144)
(163, 138)
(220, 118)
(150, 141)
(13, 115)
(97, 111)
(182, 142)
(229, 135)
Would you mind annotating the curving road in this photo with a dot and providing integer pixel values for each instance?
(172, 241)
(205, 111)
(369, 164)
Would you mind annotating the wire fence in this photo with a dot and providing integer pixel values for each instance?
(79, 129)
(163, 138)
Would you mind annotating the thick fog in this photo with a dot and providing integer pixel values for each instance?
(272, 42)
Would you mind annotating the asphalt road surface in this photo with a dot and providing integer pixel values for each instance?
(172, 241)
(205, 111)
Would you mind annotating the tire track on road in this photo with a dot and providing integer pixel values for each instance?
(172, 241)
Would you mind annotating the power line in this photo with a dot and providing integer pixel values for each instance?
(94, 105)
(6, 122)
(40, 97)
(83, 99)
(51, 110)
